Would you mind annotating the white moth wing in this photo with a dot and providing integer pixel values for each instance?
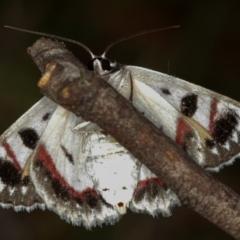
(59, 171)
(160, 112)
(121, 179)
(17, 144)
(205, 123)
(113, 169)
(151, 195)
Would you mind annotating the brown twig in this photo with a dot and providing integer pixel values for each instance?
(67, 82)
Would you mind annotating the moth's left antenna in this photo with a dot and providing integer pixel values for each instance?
(135, 35)
(54, 36)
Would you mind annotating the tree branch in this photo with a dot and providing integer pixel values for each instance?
(67, 82)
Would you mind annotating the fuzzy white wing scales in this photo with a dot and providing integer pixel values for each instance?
(113, 169)
(204, 117)
(160, 112)
(16, 147)
(26, 131)
(152, 105)
(67, 188)
(151, 195)
(70, 167)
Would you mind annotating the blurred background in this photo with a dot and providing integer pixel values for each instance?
(204, 51)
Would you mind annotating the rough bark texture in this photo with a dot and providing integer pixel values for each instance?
(67, 82)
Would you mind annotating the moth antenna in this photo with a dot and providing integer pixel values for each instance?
(135, 35)
(54, 36)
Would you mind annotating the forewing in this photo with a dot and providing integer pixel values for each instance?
(205, 123)
(17, 144)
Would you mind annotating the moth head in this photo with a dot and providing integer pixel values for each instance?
(101, 65)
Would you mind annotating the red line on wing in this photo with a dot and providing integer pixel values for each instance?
(148, 182)
(213, 113)
(11, 155)
(182, 129)
(45, 158)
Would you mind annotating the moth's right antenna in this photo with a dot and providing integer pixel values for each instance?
(54, 36)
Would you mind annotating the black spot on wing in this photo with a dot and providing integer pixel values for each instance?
(209, 143)
(149, 188)
(139, 194)
(67, 154)
(224, 127)
(165, 91)
(46, 116)
(26, 180)
(91, 199)
(29, 137)
(9, 174)
(60, 191)
(189, 105)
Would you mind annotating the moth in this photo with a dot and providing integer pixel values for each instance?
(49, 158)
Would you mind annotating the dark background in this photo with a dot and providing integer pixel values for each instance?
(205, 51)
